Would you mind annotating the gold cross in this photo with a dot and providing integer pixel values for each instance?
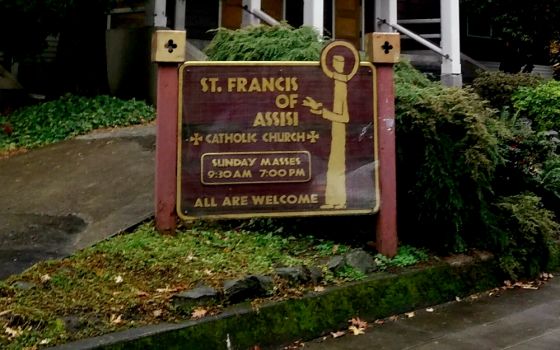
(196, 139)
(312, 136)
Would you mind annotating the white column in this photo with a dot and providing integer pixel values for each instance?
(451, 43)
(180, 11)
(249, 19)
(155, 14)
(313, 14)
(387, 10)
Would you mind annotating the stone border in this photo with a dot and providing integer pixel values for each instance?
(283, 322)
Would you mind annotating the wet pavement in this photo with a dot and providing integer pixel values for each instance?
(70, 195)
(517, 319)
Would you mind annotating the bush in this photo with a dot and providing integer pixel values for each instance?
(264, 43)
(447, 155)
(69, 116)
(532, 164)
(540, 104)
(527, 232)
(498, 87)
(451, 146)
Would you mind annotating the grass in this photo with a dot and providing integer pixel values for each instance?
(130, 279)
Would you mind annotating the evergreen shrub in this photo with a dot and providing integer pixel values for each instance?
(541, 104)
(527, 232)
(264, 43)
(498, 87)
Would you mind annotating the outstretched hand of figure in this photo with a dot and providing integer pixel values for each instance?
(315, 107)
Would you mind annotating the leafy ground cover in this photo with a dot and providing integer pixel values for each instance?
(130, 280)
(66, 117)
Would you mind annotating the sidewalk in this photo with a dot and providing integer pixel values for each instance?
(517, 319)
(67, 196)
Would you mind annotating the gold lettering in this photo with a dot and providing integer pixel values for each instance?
(255, 86)
(276, 119)
(292, 199)
(205, 202)
(268, 85)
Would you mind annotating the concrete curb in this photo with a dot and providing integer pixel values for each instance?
(282, 322)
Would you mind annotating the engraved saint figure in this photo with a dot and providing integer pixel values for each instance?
(335, 192)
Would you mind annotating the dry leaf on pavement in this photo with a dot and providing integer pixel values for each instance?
(199, 313)
(355, 330)
(338, 334)
(410, 314)
(430, 309)
(358, 323)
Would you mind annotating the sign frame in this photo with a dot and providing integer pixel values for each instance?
(277, 213)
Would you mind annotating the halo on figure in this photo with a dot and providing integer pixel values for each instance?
(335, 44)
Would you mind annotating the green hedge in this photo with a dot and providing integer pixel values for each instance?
(69, 116)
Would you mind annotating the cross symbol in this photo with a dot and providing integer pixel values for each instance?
(196, 139)
(387, 47)
(312, 136)
(170, 45)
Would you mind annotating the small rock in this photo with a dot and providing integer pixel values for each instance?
(315, 274)
(73, 324)
(23, 285)
(335, 263)
(360, 260)
(266, 283)
(195, 297)
(295, 275)
(244, 288)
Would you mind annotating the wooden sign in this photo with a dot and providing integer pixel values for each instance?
(278, 138)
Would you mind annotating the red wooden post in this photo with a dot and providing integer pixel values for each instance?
(166, 147)
(386, 240)
(168, 50)
(383, 50)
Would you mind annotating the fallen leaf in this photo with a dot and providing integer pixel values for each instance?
(116, 319)
(167, 290)
(379, 322)
(142, 293)
(119, 279)
(157, 313)
(12, 332)
(358, 323)
(45, 278)
(208, 272)
(430, 309)
(410, 314)
(199, 312)
(356, 330)
(319, 289)
(5, 312)
(44, 342)
(394, 318)
(457, 299)
(338, 334)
